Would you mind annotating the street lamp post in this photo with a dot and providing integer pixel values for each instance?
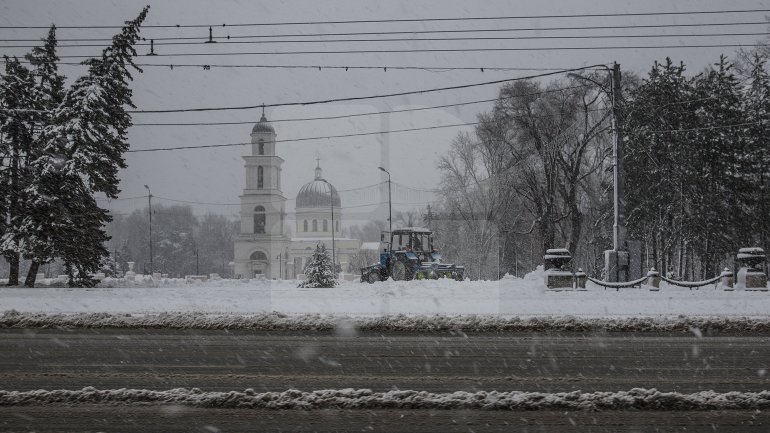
(149, 201)
(197, 271)
(331, 207)
(618, 181)
(390, 204)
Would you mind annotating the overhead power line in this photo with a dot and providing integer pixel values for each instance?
(358, 134)
(374, 113)
(205, 146)
(359, 98)
(413, 32)
(407, 20)
(208, 66)
(433, 39)
(431, 50)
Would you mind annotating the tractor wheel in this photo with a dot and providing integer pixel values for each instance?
(373, 276)
(399, 271)
(402, 270)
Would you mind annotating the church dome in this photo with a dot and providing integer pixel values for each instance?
(263, 126)
(316, 193)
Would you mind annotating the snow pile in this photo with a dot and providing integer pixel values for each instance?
(637, 398)
(346, 325)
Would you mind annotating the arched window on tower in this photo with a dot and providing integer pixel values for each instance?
(315, 225)
(261, 148)
(304, 224)
(326, 226)
(260, 177)
(259, 219)
(258, 255)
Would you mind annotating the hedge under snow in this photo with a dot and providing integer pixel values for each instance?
(637, 398)
(405, 323)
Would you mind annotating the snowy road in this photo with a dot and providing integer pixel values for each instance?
(163, 359)
(147, 419)
(441, 362)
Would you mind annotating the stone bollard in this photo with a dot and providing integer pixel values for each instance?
(653, 280)
(750, 275)
(727, 280)
(556, 276)
(130, 274)
(580, 279)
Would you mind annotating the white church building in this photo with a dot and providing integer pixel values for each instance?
(263, 249)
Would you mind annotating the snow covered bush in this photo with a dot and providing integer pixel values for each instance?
(319, 271)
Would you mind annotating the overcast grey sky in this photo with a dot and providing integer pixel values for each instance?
(216, 175)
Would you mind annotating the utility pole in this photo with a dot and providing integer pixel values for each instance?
(331, 207)
(334, 259)
(619, 173)
(197, 272)
(616, 260)
(390, 204)
(149, 201)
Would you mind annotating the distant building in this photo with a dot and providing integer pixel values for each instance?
(262, 247)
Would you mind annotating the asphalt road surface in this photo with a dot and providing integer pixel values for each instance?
(441, 362)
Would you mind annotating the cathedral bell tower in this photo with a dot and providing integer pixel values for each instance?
(261, 246)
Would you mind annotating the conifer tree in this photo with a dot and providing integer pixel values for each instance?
(656, 162)
(718, 190)
(319, 271)
(82, 150)
(757, 109)
(20, 104)
(49, 85)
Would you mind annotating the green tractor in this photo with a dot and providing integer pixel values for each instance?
(410, 255)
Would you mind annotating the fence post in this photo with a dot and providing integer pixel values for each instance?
(727, 280)
(580, 279)
(653, 280)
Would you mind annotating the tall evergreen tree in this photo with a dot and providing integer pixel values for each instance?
(656, 159)
(20, 104)
(696, 161)
(719, 193)
(82, 151)
(49, 85)
(757, 115)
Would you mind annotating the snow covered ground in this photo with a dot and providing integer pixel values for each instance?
(510, 297)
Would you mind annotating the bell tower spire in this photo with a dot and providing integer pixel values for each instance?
(318, 175)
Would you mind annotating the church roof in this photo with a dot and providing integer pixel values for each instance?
(263, 126)
(316, 193)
